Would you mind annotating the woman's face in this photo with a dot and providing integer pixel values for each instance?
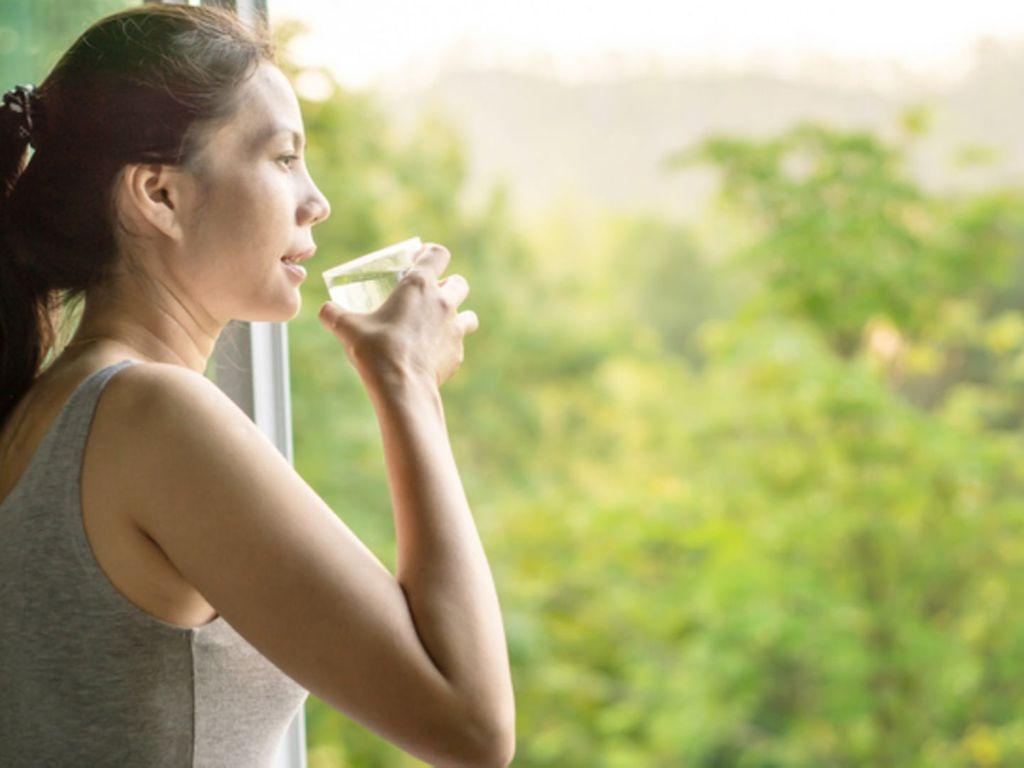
(257, 205)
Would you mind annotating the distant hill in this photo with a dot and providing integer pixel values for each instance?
(605, 141)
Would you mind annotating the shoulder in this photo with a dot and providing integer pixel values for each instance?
(143, 392)
(179, 441)
(145, 386)
(159, 417)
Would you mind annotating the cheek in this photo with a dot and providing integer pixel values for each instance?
(253, 214)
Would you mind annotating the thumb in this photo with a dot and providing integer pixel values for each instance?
(332, 317)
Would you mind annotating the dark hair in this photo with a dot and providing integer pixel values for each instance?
(141, 86)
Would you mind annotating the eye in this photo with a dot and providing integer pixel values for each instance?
(289, 158)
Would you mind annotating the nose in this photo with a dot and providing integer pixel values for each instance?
(316, 207)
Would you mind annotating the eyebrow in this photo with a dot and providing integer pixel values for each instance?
(270, 132)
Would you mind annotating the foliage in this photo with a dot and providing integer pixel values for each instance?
(751, 489)
(735, 515)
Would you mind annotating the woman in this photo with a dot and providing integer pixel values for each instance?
(170, 588)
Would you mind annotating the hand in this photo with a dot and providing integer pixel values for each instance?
(416, 332)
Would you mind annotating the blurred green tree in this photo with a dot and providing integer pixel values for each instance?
(751, 489)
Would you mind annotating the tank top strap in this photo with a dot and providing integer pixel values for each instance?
(62, 447)
(64, 444)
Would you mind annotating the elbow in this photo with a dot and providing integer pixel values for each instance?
(487, 741)
(502, 749)
(493, 746)
(480, 748)
(496, 753)
(508, 753)
(488, 734)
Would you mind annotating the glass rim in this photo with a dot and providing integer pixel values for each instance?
(365, 259)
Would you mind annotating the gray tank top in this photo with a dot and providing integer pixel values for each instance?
(87, 678)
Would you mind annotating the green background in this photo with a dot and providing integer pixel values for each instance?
(752, 489)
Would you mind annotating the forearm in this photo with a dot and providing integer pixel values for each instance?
(442, 566)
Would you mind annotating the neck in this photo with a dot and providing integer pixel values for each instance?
(158, 329)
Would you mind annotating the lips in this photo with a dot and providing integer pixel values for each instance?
(295, 258)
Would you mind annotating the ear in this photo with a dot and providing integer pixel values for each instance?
(153, 194)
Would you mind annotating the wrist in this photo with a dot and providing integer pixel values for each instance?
(400, 386)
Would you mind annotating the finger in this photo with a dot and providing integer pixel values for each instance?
(432, 260)
(454, 288)
(467, 321)
(420, 251)
(334, 318)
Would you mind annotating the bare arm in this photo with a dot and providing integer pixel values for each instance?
(442, 567)
(403, 352)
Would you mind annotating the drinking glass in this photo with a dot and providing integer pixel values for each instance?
(362, 284)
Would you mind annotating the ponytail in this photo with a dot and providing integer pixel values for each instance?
(24, 316)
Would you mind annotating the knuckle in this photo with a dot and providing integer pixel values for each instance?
(416, 278)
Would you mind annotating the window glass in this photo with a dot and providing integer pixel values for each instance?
(34, 33)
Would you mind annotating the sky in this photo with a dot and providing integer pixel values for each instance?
(369, 43)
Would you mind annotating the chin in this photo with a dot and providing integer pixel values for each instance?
(283, 314)
(284, 309)
(295, 313)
